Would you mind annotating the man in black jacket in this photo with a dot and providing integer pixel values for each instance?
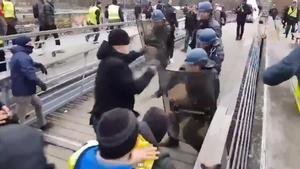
(291, 18)
(170, 13)
(190, 25)
(115, 85)
(242, 11)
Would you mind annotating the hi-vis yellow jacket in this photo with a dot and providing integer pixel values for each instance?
(9, 9)
(141, 143)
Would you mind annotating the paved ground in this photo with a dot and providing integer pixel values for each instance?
(73, 118)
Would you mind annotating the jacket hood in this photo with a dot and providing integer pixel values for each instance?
(21, 41)
(17, 49)
(107, 50)
(104, 51)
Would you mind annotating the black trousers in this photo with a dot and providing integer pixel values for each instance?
(240, 29)
(11, 30)
(171, 42)
(288, 27)
(45, 28)
(96, 34)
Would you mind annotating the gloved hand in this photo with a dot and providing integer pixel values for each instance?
(43, 86)
(42, 68)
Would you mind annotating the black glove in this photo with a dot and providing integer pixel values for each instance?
(42, 68)
(43, 86)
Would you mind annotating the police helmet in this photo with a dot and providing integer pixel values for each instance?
(207, 36)
(205, 7)
(157, 16)
(198, 56)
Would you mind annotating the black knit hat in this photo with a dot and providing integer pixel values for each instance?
(117, 133)
(118, 37)
(157, 121)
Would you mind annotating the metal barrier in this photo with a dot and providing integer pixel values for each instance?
(65, 30)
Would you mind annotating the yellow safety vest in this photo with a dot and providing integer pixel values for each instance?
(92, 18)
(9, 9)
(113, 13)
(75, 157)
(141, 143)
(293, 12)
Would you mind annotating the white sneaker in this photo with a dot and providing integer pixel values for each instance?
(172, 60)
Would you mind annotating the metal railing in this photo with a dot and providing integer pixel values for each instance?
(65, 30)
(242, 122)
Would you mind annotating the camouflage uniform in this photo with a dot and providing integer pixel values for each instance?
(192, 112)
(159, 38)
(216, 53)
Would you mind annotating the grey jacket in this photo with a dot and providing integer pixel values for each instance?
(46, 13)
(49, 13)
(216, 53)
(214, 24)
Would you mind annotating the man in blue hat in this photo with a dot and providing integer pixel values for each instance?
(209, 41)
(24, 80)
(206, 20)
(197, 61)
(161, 38)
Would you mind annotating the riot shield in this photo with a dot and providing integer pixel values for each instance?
(144, 28)
(191, 100)
(155, 35)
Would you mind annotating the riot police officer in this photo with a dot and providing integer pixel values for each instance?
(208, 40)
(206, 20)
(161, 38)
(197, 62)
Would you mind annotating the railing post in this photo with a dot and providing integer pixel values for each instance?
(5, 90)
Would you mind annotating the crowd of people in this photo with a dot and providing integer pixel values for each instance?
(122, 141)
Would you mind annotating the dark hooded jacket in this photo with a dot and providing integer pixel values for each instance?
(284, 70)
(242, 11)
(289, 19)
(115, 85)
(23, 72)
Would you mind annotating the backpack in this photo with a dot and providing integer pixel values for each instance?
(35, 10)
